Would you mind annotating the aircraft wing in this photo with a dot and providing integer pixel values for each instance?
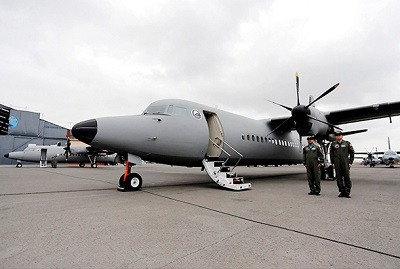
(286, 122)
(351, 115)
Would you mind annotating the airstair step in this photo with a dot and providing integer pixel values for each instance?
(218, 163)
(220, 174)
(238, 180)
(225, 169)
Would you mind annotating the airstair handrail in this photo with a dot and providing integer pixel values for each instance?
(218, 146)
(237, 152)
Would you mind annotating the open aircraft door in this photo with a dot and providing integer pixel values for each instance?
(216, 134)
(43, 158)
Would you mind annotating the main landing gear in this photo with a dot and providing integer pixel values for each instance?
(129, 181)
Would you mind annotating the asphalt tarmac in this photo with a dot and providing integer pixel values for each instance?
(73, 217)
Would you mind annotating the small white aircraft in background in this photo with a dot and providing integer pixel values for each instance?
(390, 157)
(67, 154)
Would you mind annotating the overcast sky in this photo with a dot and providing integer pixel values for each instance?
(76, 60)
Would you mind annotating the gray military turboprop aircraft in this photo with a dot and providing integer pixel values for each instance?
(184, 133)
(70, 154)
(372, 158)
(390, 157)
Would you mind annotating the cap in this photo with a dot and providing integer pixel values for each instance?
(310, 138)
(338, 133)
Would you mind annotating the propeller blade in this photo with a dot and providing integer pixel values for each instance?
(297, 88)
(279, 126)
(354, 132)
(286, 107)
(327, 123)
(324, 94)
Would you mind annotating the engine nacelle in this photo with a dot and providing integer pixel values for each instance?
(306, 126)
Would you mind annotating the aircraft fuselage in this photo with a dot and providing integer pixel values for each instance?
(180, 133)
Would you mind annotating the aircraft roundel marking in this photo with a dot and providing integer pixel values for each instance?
(196, 114)
(12, 122)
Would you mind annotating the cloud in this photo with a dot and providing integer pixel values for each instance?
(74, 60)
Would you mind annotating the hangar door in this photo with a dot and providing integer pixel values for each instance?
(216, 134)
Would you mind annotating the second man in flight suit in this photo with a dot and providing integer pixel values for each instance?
(342, 157)
(312, 159)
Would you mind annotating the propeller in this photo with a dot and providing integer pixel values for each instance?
(301, 113)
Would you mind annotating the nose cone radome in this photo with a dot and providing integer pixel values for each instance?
(6, 155)
(85, 131)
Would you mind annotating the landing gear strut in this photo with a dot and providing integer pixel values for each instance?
(92, 160)
(129, 181)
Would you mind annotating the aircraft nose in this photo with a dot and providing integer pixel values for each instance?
(85, 131)
(6, 155)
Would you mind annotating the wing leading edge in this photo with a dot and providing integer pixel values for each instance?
(373, 112)
(350, 115)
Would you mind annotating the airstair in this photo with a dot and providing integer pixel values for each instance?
(223, 175)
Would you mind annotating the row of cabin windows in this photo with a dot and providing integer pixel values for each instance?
(270, 140)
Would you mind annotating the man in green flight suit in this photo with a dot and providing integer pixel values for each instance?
(312, 159)
(342, 157)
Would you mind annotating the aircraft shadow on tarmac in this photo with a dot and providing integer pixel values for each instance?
(264, 177)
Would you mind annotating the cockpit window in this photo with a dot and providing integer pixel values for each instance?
(156, 110)
(180, 111)
(170, 109)
(166, 110)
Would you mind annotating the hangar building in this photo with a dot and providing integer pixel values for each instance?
(18, 128)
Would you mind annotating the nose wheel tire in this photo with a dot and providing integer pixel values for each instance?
(82, 164)
(94, 165)
(133, 182)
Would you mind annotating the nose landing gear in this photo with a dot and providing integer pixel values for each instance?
(129, 181)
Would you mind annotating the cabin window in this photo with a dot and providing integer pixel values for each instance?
(253, 138)
(248, 137)
(258, 138)
(242, 136)
(262, 139)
